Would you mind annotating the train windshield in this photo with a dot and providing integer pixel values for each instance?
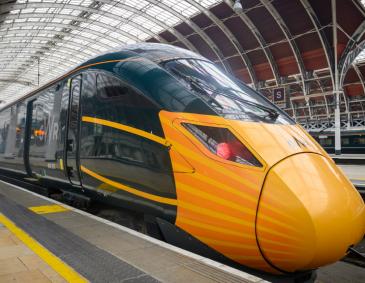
(227, 96)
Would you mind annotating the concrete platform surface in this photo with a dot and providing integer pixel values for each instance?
(18, 263)
(102, 251)
(348, 156)
(356, 173)
(105, 243)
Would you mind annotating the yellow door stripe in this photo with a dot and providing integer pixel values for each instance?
(44, 209)
(129, 189)
(126, 129)
(67, 272)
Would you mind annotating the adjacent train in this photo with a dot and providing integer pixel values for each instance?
(352, 142)
(213, 166)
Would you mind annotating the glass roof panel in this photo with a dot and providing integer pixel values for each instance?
(63, 34)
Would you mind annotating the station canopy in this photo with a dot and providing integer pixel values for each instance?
(271, 44)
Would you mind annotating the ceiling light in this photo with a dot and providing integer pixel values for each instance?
(237, 7)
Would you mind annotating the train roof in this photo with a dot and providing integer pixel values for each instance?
(155, 52)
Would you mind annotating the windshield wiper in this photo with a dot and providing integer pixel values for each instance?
(272, 113)
(200, 86)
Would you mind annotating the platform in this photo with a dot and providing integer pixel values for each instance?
(77, 246)
(66, 244)
(356, 173)
(350, 159)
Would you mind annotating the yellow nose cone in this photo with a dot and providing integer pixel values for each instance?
(309, 213)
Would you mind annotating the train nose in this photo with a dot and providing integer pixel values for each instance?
(309, 214)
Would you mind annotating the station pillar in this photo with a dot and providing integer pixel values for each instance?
(337, 124)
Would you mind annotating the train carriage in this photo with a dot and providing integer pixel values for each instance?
(211, 163)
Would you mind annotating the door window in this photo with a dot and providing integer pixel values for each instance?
(120, 155)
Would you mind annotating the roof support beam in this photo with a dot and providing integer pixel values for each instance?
(352, 50)
(23, 34)
(336, 88)
(361, 77)
(197, 30)
(176, 33)
(18, 48)
(75, 18)
(298, 57)
(322, 36)
(240, 51)
(26, 83)
(260, 39)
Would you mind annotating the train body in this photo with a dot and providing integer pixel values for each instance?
(352, 142)
(163, 131)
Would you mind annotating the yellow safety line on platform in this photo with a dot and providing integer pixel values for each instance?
(67, 272)
(44, 209)
(128, 189)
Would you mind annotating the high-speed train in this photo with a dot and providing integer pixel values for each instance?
(212, 165)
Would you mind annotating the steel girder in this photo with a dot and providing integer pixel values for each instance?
(352, 50)
(76, 18)
(16, 36)
(176, 33)
(297, 55)
(73, 18)
(361, 77)
(40, 47)
(260, 39)
(232, 39)
(28, 34)
(197, 30)
(322, 36)
(25, 83)
(61, 26)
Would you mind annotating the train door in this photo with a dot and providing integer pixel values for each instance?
(72, 135)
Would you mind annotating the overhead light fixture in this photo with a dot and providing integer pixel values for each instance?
(237, 7)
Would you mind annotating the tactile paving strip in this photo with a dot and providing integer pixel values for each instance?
(93, 263)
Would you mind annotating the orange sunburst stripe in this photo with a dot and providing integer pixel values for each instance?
(228, 206)
(275, 226)
(276, 237)
(239, 223)
(249, 200)
(198, 191)
(220, 170)
(212, 186)
(204, 228)
(234, 210)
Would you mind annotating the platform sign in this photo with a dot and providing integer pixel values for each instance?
(279, 95)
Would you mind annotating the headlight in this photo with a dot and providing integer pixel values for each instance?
(221, 142)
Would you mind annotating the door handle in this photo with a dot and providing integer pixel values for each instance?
(70, 145)
(70, 171)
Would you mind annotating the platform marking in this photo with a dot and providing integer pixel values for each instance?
(199, 258)
(67, 272)
(45, 209)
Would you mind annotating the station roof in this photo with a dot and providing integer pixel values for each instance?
(270, 44)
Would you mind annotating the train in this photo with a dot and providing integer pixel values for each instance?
(352, 142)
(210, 163)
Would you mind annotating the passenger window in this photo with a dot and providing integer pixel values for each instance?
(20, 129)
(4, 129)
(121, 103)
(41, 128)
(117, 154)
